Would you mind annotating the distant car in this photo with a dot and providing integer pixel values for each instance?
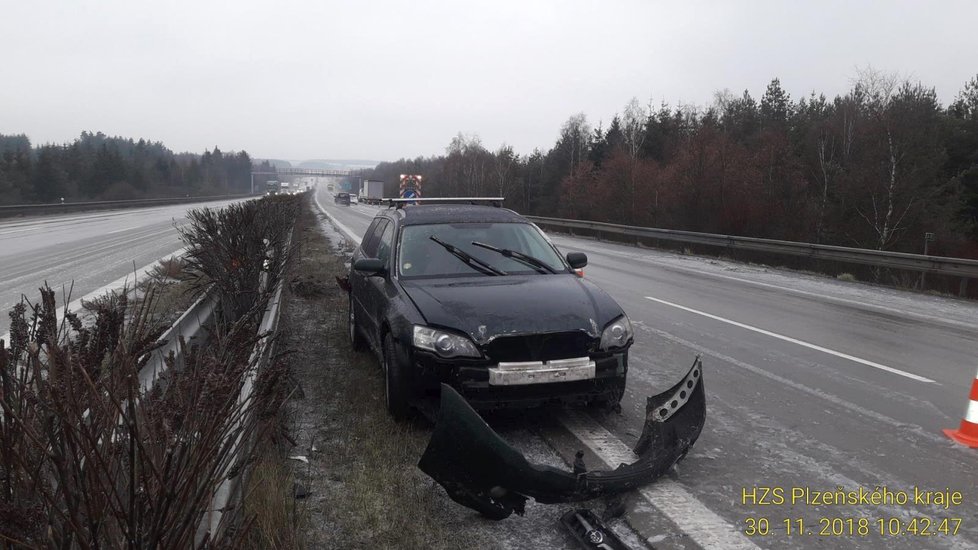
(342, 198)
(479, 298)
(354, 199)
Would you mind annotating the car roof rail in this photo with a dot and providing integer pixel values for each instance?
(400, 203)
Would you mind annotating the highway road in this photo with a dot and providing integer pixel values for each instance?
(813, 385)
(87, 250)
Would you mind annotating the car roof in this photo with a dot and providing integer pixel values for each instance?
(453, 213)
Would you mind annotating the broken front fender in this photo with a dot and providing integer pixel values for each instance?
(480, 470)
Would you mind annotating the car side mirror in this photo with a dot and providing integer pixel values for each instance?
(577, 260)
(370, 266)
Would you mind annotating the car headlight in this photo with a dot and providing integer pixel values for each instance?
(445, 344)
(617, 334)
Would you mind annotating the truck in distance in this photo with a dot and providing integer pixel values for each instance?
(372, 192)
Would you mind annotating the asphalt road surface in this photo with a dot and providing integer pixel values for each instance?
(86, 249)
(817, 389)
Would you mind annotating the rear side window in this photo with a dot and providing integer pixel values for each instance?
(372, 237)
(386, 240)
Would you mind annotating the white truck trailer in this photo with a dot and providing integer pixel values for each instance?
(372, 192)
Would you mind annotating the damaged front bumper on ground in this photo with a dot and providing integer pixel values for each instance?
(480, 470)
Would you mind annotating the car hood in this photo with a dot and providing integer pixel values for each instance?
(486, 307)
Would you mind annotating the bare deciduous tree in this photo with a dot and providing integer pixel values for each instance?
(878, 89)
(505, 160)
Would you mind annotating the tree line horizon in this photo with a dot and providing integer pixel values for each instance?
(95, 166)
(876, 167)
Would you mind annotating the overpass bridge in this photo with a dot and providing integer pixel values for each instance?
(314, 172)
(320, 172)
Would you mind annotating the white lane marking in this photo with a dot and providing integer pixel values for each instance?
(12, 231)
(818, 296)
(125, 229)
(802, 343)
(128, 280)
(349, 232)
(917, 430)
(704, 526)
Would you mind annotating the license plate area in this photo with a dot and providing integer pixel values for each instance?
(541, 372)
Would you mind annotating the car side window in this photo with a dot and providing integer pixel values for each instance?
(385, 242)
(372, 237)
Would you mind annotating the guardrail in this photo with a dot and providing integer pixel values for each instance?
(57, 207)
(942, 265)
(189, 326)
(228, 495)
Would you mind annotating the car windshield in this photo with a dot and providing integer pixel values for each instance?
(420, 256)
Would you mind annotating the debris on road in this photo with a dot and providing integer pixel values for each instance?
(482, 471)
(589, 532)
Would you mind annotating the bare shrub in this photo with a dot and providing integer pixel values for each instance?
(170, 268)
(87, 459)
(231, 247)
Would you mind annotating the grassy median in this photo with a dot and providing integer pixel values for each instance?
(353, 467)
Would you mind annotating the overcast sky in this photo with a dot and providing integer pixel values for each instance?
(383, 80)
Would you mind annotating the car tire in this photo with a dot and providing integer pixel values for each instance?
(396, 386)
(356, 339)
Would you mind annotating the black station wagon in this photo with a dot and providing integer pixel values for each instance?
(477, 297)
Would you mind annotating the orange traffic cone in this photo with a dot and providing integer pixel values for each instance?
(967, 434)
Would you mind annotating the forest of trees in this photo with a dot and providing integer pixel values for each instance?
(874, 168)
(95, 166)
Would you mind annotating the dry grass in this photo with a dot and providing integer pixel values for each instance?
(269, 500)
(847, 277)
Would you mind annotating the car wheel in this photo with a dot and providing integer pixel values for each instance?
(396, 387)
(356, 339)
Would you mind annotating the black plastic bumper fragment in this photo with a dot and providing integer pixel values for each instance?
(480, 470)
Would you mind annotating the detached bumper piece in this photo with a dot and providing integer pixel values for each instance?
(589, 532)
(480, 470)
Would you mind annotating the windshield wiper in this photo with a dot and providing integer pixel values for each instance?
(474, 263)
(535, 263)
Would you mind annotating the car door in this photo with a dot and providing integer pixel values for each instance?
(375, 288)
(358, 281)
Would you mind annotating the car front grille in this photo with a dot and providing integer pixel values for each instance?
(540, 347)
